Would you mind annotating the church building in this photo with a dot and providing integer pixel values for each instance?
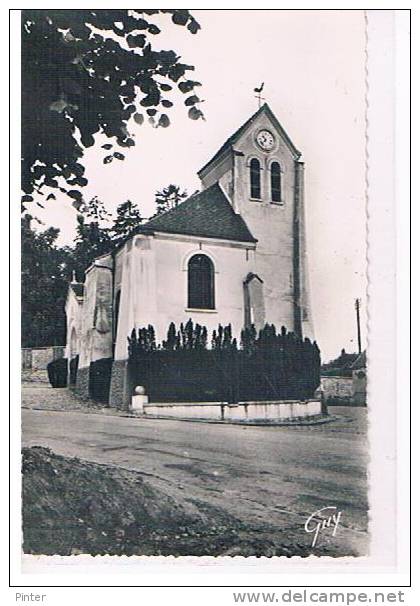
(233, 253)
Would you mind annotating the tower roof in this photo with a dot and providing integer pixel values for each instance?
(237, 134)
(208, 214)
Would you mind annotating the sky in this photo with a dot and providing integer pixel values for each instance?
(312, 64)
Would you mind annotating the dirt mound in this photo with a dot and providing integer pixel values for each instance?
(72, 506)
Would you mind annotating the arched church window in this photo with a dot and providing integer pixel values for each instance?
(200, 282)
(275, 182)
(255, 178)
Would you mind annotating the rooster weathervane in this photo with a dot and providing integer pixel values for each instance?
(258, 96)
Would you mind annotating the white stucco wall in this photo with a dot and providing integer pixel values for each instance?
(96, 326)
(73, 310)
(155, 278)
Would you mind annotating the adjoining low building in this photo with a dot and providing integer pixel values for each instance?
(345, 384)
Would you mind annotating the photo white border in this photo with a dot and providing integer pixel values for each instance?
(384, 215)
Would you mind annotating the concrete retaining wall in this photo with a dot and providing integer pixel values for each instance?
(249, 411)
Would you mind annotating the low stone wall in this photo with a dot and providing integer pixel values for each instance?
(337, 389)
(345, 391)
(37, 358)
(243, 412)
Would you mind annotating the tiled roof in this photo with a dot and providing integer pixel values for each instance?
(208, 214)
(77, 288)
(233, 138)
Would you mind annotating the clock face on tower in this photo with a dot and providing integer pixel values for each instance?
(265, 140)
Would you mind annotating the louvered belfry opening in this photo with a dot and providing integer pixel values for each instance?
(255, 177)
(275, 182)
(200, 283)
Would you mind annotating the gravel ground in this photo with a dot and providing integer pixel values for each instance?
(41, 396)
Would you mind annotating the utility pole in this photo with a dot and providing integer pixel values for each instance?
(359, 340)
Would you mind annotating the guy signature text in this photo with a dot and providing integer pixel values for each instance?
(327, 517)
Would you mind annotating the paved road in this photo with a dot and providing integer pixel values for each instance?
(279, 474)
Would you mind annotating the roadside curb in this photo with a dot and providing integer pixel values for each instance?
(319, 421)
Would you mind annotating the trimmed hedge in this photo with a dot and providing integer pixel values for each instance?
(100, 379)
(57, 372)
(266, 366)
(74, 364)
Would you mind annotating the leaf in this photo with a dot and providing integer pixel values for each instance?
(87, 140)
(166, 87)
(119, 156)
(150, 100)
(77, 169)
(27, 198)
(192, 100)
(166, 103)
(139, 118)
(74, 193)
(187, 86)
(141, 24)
(164, 121)
(151, 112)
(77, 204)
(137, 41)
(108, 159)
(51, 197)
(153, 29)
(193, 26)
(176, 71)
(107, 146)
(50, 182)
(195, 113)
(180, 17)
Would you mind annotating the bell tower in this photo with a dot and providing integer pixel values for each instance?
(261, 172)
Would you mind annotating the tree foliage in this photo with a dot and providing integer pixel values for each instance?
(169, 198)
(45, 274)
(86, 72)
(127, 220)
(92, 241)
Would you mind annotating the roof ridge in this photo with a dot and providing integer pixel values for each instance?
(233, 138)
(207, 214)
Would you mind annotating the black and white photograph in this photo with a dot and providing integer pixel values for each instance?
(195, 353)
